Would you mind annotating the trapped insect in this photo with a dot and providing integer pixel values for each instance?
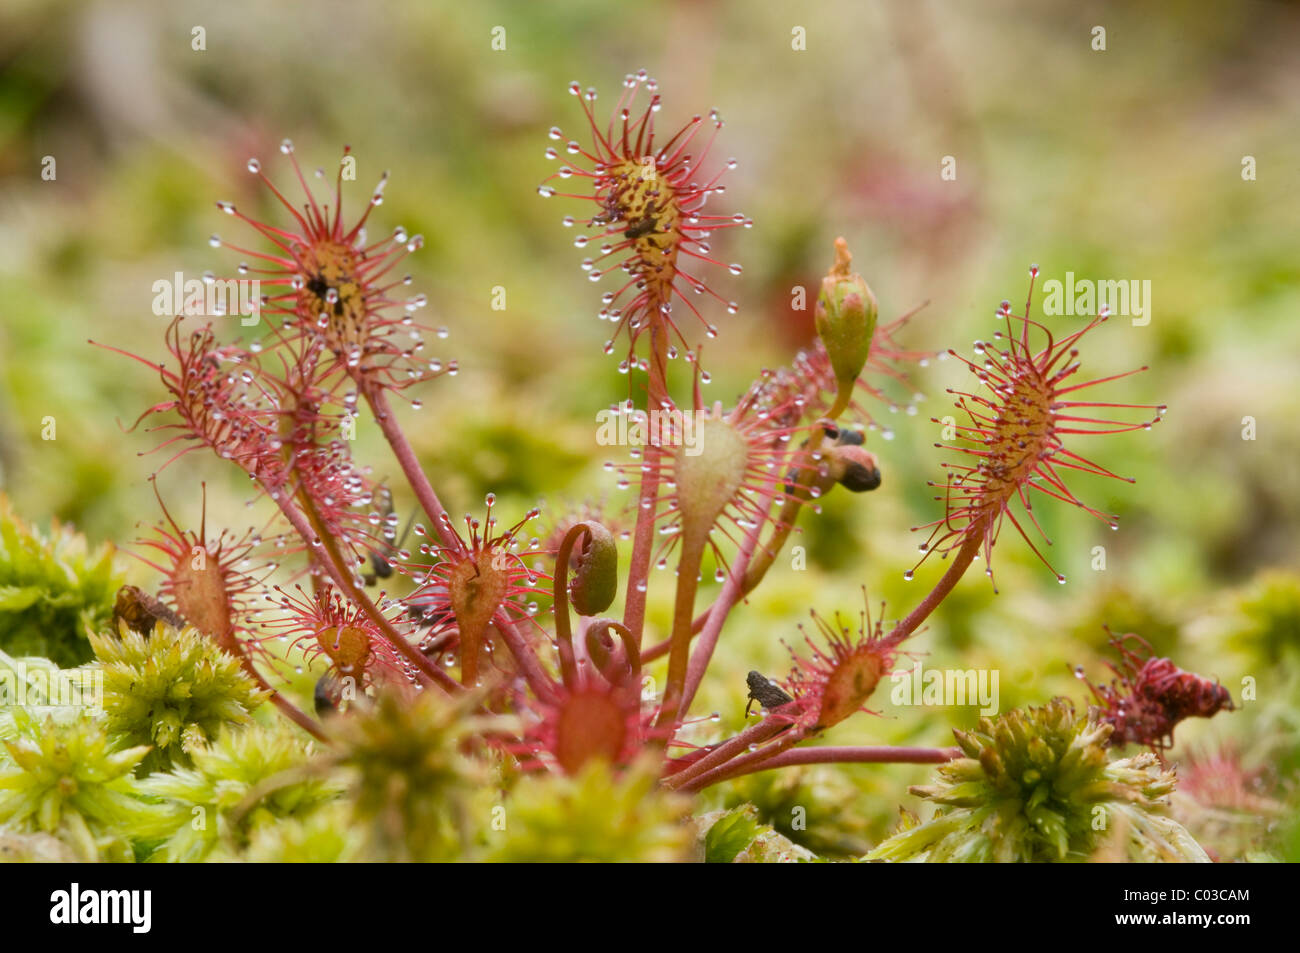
(380, 566)
(141, 611)
(765, 691)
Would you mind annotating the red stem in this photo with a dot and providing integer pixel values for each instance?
(410, 464)
(771, 758)
(745, 763)
(638, 573)
(287, 708)
(309, 528)
(529, 665)
(732, 591)
(560, 596)
(861, 754)
(752, 735)
(960, 563)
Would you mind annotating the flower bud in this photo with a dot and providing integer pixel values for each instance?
(854, 468)
(846, 318)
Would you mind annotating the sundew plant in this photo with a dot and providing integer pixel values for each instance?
(369, 673)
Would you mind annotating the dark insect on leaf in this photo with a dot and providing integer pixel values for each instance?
(764, 691)
(141, 611)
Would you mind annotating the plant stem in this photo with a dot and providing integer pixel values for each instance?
(752, 735)
(732, 592)
(784, 524)
(529, 665)
(563, 628)
(861, 754)
(745, 763)
(960, 563)
(638, 573)
(771, 758)
(688, 581)
(287, 708)
(410, 464)
(309, 526)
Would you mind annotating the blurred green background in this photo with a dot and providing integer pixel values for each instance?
(1122, 163)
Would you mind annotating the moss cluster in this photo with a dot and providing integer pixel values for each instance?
(1038, 784)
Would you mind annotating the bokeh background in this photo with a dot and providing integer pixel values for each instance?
(1122, 163)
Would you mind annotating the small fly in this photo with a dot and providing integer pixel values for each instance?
(766, 692)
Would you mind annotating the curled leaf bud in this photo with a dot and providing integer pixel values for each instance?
(607, 654)
(595, 572)
(846, 318)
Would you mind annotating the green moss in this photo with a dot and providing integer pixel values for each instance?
(1037, 784)
(246, 780)
(68, 780)
(409, 783)
(173, 690)
(592, 817)
(53, 590)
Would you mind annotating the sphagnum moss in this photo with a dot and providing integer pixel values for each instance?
(244, 780)
(69, 779)
(174, 690)
(1038, 784)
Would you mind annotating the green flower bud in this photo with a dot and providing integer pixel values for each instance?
(846, 318)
